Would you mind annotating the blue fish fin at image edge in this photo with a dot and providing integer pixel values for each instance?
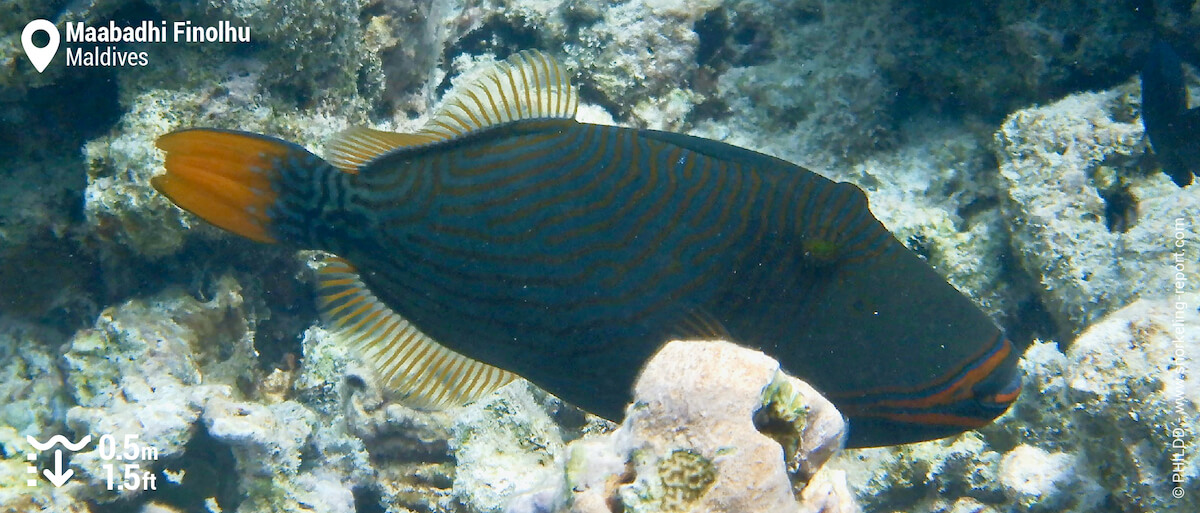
(1174, 131)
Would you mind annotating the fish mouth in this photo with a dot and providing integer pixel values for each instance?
(970, 398)
(1000, 392)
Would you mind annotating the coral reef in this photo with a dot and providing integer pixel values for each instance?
(841, 107)
(387, 455)
(1097, 231)
(31, 402)
(32, 405)
(172, 374)
(147, 368)
(121, 314)
(725, 68)
(1037, 480)
(508, 453)
(995, 56)
(1125, 379)
(691, 443)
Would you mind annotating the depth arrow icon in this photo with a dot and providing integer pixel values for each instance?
(58, 477)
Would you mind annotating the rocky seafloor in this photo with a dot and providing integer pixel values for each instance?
(1002, 140)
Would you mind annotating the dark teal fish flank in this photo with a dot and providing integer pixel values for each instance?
(621, 252)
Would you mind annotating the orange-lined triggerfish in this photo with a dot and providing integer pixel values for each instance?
(514, 240)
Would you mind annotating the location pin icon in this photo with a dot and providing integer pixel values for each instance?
(40, 57)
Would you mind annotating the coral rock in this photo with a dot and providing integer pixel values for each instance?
(827, 492)
(690, 442)
(507, 448)
(1036, 479)
(266, 439)
(1088, 223)
(1123, 396)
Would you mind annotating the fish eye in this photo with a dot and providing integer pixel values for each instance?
(820, 250)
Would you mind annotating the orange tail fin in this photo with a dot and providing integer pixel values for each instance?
(224, 177)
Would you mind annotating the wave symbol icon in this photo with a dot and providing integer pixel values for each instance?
(58, 439)
(58, 476)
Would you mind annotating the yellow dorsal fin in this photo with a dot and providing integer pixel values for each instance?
(426, 374)
(527, 85)
(356, 146)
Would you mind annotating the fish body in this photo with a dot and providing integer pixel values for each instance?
(1172, 128)
(568, 253)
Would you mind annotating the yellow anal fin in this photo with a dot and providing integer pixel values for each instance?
(222, 176)
(425, 374)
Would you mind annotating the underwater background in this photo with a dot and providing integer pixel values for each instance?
(1001, 140)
